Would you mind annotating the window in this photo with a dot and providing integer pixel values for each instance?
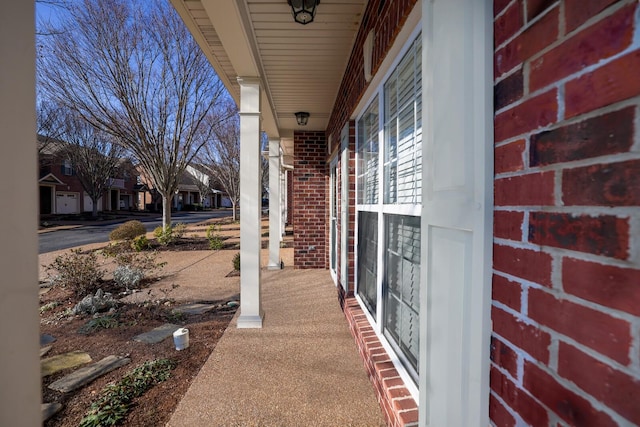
(401, 285)
(368, 155)
(403, 130)
(389, 131)
(368, 259)
(67, 169)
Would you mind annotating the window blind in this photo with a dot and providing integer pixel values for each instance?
(368, 153)
(368, 259)
(401, 285)
(403, 130)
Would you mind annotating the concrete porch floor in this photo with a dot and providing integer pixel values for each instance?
(301, 369)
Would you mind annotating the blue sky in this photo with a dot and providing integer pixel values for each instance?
(47, 13)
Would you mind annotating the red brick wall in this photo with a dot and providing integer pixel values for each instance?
(566, 286)
(311, 200)
(398, 407)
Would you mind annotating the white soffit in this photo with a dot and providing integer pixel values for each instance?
(301, 66)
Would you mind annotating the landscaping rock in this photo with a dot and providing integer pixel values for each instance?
(194, 309)
(233, 304)
(46, 339)
(54, 364)
(158, 334)
(45, 350)
(85, 375)
(49, 410)
(92, 304)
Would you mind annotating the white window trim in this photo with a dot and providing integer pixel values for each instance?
(333, 178)
(404, 41)
(343, 214)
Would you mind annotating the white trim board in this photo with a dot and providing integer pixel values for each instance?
(455, 299)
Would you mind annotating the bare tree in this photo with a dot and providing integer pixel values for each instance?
(44, 10)
(264, 165)
(48, 124)
(94, 155)
(135, 72)
(222, 156)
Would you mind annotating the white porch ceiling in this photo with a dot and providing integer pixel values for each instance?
(300, 66)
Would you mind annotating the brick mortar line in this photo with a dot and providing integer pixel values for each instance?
(569, 253)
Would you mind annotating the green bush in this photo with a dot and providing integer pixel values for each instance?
(105, 322)
(140, 243)
(169, 234)
(164, 236)
(49, 306)
(76, 270)
(236, 262)
(128, 231)
(179, 229)
(215, 241)
(116, 399)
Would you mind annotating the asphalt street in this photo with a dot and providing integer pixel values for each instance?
(86, 234)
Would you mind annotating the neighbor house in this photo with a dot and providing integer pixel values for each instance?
(61, 192)
(196, 190)
(467, 170)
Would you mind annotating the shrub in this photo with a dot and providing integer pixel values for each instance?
(164, 236)
(215, 241)
(49, 306)
(179, 229)
(115, 248)
(128, 276)
(169, 234)
(76, 270)
(115, 399)
(146, 261)
(236, 262)
(128, 231)
(140, 243)
(105, 322)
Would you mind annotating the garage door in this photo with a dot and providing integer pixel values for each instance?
(88, 204)
(67, 203)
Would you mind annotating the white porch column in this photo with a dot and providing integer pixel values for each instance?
(285, 199)
(19, 335)
(251, 313)
(275, 233)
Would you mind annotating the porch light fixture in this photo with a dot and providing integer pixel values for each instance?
(302, 118)
(303, 10)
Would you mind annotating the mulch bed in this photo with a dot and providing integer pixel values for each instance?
(155, 407)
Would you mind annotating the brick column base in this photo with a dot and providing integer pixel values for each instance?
(398, 407)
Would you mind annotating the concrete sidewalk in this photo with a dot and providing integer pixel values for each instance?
(301, 369)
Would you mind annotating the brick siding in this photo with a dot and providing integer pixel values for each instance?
(398, 407)
(310, 199)
(565, 343)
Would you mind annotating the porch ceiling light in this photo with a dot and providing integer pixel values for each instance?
(303, 10)
(302, 118)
